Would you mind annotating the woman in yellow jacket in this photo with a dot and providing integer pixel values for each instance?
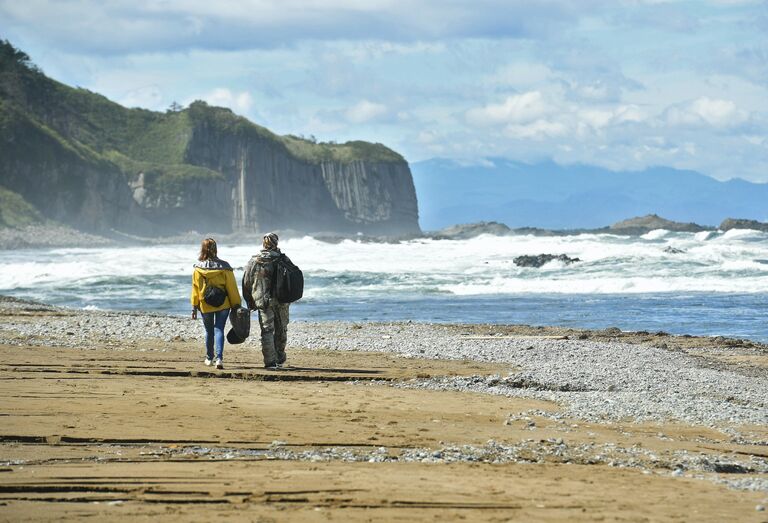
(211, 271)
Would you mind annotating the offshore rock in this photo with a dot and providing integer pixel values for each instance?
(542, 259)
(650, 222)
(735, 223)
(470, 230)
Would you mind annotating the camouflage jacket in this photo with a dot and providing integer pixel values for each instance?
(258, 279)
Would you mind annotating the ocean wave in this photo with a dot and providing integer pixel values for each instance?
(705, 235)
(608, 286)
(655, 234)
(715, 262)
(744, 234)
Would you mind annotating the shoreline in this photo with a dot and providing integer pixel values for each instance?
(546, 412)
(491, 331)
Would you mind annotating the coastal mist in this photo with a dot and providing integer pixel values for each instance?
(707, 283)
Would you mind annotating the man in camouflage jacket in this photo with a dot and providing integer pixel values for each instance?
(258, 292)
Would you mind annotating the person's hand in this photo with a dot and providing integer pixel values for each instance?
(194, 314)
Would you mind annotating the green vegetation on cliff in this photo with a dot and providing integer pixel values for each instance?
(34, 107)
(162, 181)
(310, 151)
(15, 211)
(343, 153)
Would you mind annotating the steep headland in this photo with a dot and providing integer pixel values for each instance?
(75, 157)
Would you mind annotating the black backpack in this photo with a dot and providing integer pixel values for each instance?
(288, 280)
(212, 295)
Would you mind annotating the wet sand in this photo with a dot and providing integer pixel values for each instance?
(147, 432)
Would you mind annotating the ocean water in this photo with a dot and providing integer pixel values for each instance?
(717, 285)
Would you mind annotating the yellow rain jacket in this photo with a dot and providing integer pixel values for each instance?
(220, 274)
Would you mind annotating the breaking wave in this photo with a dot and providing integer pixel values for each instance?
(660, 263)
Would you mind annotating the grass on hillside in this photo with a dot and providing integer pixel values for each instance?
(98, 130)
(15, 211)
(162, 179)
(225, 121)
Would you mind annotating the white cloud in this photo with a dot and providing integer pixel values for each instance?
(755, 140)
(595, 91)
(592, 80)
(736, 2)
(517, 109)
(149, 96)
(629, 113)
(365, 111)
(706, 111)
(520, 74)
(140, 26)
(718, 112)
(598, 118)
(426, 137)
(221, 96)
(540, 129)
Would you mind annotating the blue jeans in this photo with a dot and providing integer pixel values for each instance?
(214, 323)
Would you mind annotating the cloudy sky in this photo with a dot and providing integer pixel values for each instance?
(623, 84)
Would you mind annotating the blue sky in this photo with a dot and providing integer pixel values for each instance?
(622, 84)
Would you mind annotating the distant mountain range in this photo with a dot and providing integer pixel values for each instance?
(551, 196)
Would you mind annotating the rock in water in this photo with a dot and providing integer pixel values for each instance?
(541, 259)
(645, 224)
(735, 223)
(470, 230)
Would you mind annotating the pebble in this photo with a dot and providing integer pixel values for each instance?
(595, 381)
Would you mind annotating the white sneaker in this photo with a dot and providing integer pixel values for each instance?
(219, 364)
(208, 361)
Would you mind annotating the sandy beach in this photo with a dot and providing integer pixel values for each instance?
(114, 416)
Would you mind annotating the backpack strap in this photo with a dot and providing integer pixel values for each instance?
(275, 263)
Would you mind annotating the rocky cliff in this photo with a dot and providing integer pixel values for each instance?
(85, 161)
(289, 183)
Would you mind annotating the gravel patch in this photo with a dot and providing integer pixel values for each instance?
(594, 381)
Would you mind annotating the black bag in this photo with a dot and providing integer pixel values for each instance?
(240, 319)
(212, 295)
(288, 281)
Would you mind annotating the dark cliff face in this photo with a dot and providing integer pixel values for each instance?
(184, 205)
(63, 184)
(272, 189)
(375, 197)
(269, 189)
(85, 161)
